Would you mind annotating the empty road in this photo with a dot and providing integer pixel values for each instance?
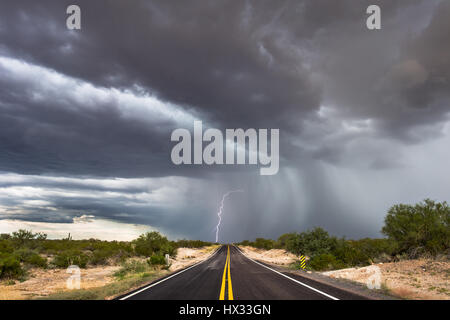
(229, 275)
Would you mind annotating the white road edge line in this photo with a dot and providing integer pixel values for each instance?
(173, 275)
(301, 283)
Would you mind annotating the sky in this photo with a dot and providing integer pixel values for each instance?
(86, 115)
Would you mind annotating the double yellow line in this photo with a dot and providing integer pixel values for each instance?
(226, 274)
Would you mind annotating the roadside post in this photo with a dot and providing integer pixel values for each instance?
(302, 262)
(167, 259)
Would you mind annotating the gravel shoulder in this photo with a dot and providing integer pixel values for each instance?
(418, 279)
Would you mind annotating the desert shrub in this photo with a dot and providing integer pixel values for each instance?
(10, 266)
(99, 252)
(100, 257)
(37, 261)
(5, 236)
(312, 242)
(103, 256)
(67, 258)
(21, 237)
(153, 243)
(344, 252)
(190, 243)
(6, 246)
(325, 261)
(157, 259)
(284, 239)
(130, 267)
(418, 229)
(244, 243)
(262, 243)
(31, 257)
(27, 238)
(369, 250)
(325, 251)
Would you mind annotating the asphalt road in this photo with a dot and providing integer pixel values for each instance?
(229, 275)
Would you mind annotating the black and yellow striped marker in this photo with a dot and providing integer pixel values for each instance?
(302, 262)
(226, 278)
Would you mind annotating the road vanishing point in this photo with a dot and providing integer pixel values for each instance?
(230, 275)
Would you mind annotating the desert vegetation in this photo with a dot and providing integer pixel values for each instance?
(412, 231)
(23, 250)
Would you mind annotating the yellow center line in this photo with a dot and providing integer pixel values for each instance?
(226, 271)
(222, 288)
(230, 288)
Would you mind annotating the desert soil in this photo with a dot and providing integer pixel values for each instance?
(189, 256)
(44, 282)
(273, 256)
(410, 279)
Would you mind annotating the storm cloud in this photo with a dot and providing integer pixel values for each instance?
(86, 115)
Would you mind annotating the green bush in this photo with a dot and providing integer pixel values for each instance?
(67, 258)
(6, 246)
(157, 259)
(153, 243)
(190, 243)
(344, 252)
(4, 236)
(284, 239)
(245, 243)
(260, 243)
(31, 257)
(312, 242)
(23, 238)
(10, 266)
(369, 250)
(325, 261)
(37, 261)
(101, 256)
(422, 228)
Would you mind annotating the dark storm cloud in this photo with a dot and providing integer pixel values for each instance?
(87, 136)
(223, 58)
(388, 76)
(339, 93)
(249, 64)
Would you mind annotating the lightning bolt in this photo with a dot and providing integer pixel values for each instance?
(219, 214)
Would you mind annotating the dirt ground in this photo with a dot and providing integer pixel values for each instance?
(409, 279)
(274, 256)
(188, 256)
(42, 282)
